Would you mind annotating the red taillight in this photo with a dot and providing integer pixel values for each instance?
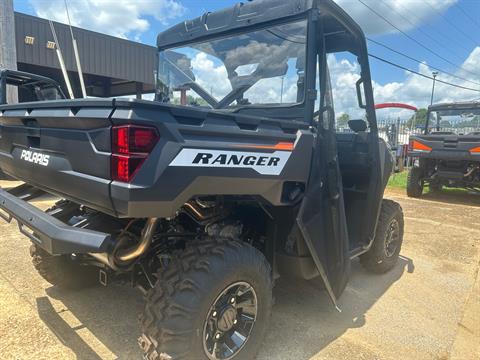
(129, 139)
(124, 167)
(131, 145)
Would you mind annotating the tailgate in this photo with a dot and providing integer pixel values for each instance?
(62, 147)
(449, 146)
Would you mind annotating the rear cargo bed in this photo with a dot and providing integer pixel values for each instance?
(62, 147)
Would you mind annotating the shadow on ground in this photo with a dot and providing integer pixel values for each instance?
(303, 320)
(448, 195)
(454, 197)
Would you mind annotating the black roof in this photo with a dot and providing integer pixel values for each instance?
(251, 13)
(455, 105)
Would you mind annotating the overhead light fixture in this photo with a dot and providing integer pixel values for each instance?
(51, 45)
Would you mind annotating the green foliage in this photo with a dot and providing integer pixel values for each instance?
(196, 101)
(342, 120)
(191, 100)
(398, 180)
(420, 119)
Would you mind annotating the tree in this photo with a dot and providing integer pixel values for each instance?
(196, 101)
(342, 120)
(191, 100)
(420, 119)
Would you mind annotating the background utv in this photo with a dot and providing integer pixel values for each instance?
(448, 153)
(201, 206)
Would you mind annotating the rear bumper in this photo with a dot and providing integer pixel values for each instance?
(49, 233)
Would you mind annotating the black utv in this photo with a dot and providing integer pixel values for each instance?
(203, 204)
(30, 87)
(448, 153)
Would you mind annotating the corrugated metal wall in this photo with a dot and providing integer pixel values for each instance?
(100, 54)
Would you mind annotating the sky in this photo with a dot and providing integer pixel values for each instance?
(440, 33)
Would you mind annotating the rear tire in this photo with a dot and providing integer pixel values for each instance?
(415, 182)
(181, 309)
(383, 255)
(62, 271)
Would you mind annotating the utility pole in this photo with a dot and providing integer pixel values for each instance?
(8, 53)
(434, 74)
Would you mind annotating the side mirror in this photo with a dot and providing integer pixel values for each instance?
(357, 125)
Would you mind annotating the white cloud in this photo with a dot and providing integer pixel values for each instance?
(472, 63)
(344, 73)
(212, 78)
(126, 18)
(122, 18)
(417, 12)
(413, 89)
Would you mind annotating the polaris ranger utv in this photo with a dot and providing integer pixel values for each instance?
(450, 154)
(202, 206)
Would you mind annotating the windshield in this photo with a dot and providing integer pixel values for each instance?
(457, 121)
(264, 67)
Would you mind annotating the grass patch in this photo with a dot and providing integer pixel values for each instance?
(454, 191)
(398, 180)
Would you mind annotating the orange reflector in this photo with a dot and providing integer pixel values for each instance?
(475, 150)
(286, 146)
(418, 146)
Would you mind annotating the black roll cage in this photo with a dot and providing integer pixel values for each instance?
(24, 79)
(346, 35)
(466, 105)
(329, 30)
(286, 111)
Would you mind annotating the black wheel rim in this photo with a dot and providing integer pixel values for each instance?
(230, 321)
(392, 237)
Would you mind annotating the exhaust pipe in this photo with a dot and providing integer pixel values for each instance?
(145, 242)
(126, 255)
(102, 257)
(470, 172)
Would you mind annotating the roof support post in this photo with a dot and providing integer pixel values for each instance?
(138, 88)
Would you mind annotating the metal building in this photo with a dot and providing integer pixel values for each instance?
(111, 66)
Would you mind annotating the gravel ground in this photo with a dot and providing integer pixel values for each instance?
(428, 307)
